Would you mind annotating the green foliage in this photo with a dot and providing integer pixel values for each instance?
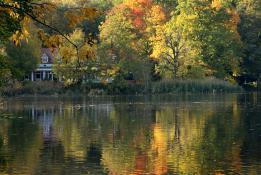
(5, 73)
(212, 33)
(12, 13)
(16, 63)
(249, 29)
(117, 32)
(8, 26)
(23, 58)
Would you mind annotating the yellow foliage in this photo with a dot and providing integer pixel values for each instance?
(23, 34)
(87, 52)
(216, 4)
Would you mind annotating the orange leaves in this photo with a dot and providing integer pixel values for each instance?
(139, 11)
(138, 22)
(216, 4)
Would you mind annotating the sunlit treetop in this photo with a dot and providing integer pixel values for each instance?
(139, 11)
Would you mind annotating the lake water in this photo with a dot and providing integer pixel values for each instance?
(135, 135)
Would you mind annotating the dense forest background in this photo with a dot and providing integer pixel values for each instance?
(137, 41)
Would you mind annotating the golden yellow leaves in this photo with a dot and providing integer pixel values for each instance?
(157, 15)
(13, 14)
(10, 9)
(87, 52)
(67, 54)
(216, 4)
(23, 34)
(82, 53)
(17, 37)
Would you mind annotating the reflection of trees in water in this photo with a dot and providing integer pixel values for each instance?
(21, 145)
(251, 144)
(135, 138)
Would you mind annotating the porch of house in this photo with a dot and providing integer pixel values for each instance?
(42, 76)
(42, 73)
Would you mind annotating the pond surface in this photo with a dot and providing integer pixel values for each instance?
(175, 134)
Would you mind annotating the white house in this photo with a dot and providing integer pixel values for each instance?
(44, 69)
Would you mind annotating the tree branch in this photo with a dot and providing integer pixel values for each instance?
(40, 22)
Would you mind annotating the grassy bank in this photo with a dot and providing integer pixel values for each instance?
(175, 86)
(123, 88)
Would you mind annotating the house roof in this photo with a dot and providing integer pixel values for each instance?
(51, 53)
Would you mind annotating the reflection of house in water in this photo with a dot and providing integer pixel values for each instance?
(45, 115)
(45, 119)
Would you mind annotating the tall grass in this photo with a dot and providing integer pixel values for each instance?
(176, 86)
(123, 88)
(201, 86)
(31, 88)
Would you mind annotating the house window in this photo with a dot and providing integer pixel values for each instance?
(27, 77)
(38, 75)
(44, 58)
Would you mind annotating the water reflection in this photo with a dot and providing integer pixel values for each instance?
(132, 135)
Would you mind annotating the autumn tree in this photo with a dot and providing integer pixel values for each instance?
(174, 53)
(72, 65)
(15, 12)
(54, 22)
(212, 31)
(127, 30)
